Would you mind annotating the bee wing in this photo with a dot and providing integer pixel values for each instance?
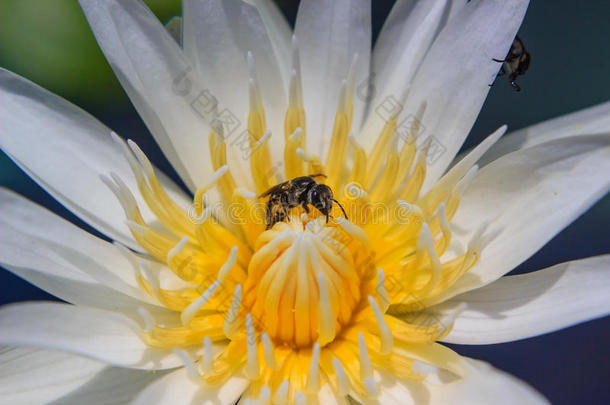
(275, 189)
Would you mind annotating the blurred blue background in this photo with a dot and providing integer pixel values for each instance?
(50, 43)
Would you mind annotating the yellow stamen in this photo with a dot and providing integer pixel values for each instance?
(327, 321)
(313, 291)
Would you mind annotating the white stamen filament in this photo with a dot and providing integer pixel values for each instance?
(208, 355)
(226, 268)
(252, 365)
(254, 89)
(265, 395)
(247, 194)
(189, 312)
(135, 227)
(268, 351)
(306, 156)
(313, 377)
(426, 243)
(122, 193)
(131, 160)
(142, 158)
(149, 276)
(442, 219)
(355, 232)
(216, 176)
(366, 368)
(281, 394)
(261, 142)
(342, 379)
(205, 215)
(189, 365)
(296, 135)
(296, 99)
(229, 328)
(177, 249)
(385, 334)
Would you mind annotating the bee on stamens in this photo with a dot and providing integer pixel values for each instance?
(300, 191)
(516, 62)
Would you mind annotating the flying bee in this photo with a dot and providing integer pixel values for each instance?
(300, 191)
(516, 62)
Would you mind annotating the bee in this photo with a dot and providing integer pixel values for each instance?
(516, 62)
(300, 191)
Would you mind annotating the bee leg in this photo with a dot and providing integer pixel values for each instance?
(513, 81)
(284, 215)
(268, 218)
(492, 83)
(305, 207)
(271, 216)
(498, 60)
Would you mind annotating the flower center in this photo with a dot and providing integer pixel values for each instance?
(302, 284)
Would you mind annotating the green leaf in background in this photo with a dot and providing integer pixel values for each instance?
(50, 43)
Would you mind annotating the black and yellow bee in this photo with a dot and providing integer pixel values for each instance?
(516, 62)
(300, 191)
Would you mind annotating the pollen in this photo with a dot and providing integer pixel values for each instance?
(311, 301)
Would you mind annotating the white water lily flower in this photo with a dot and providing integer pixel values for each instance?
(311, 310)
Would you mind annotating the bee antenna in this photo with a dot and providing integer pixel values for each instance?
(340, 206)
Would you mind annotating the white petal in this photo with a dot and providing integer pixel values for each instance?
(64, 149)
(218, 36)
(403, 42)
(526, 305)
(177, 388)
(453, 79)
(330, 33)
(100, 335)
(527, 197)
(485, 385)
(159, 80)
(37, 377)
(279, 32)
(590, 121)
(37, 242)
